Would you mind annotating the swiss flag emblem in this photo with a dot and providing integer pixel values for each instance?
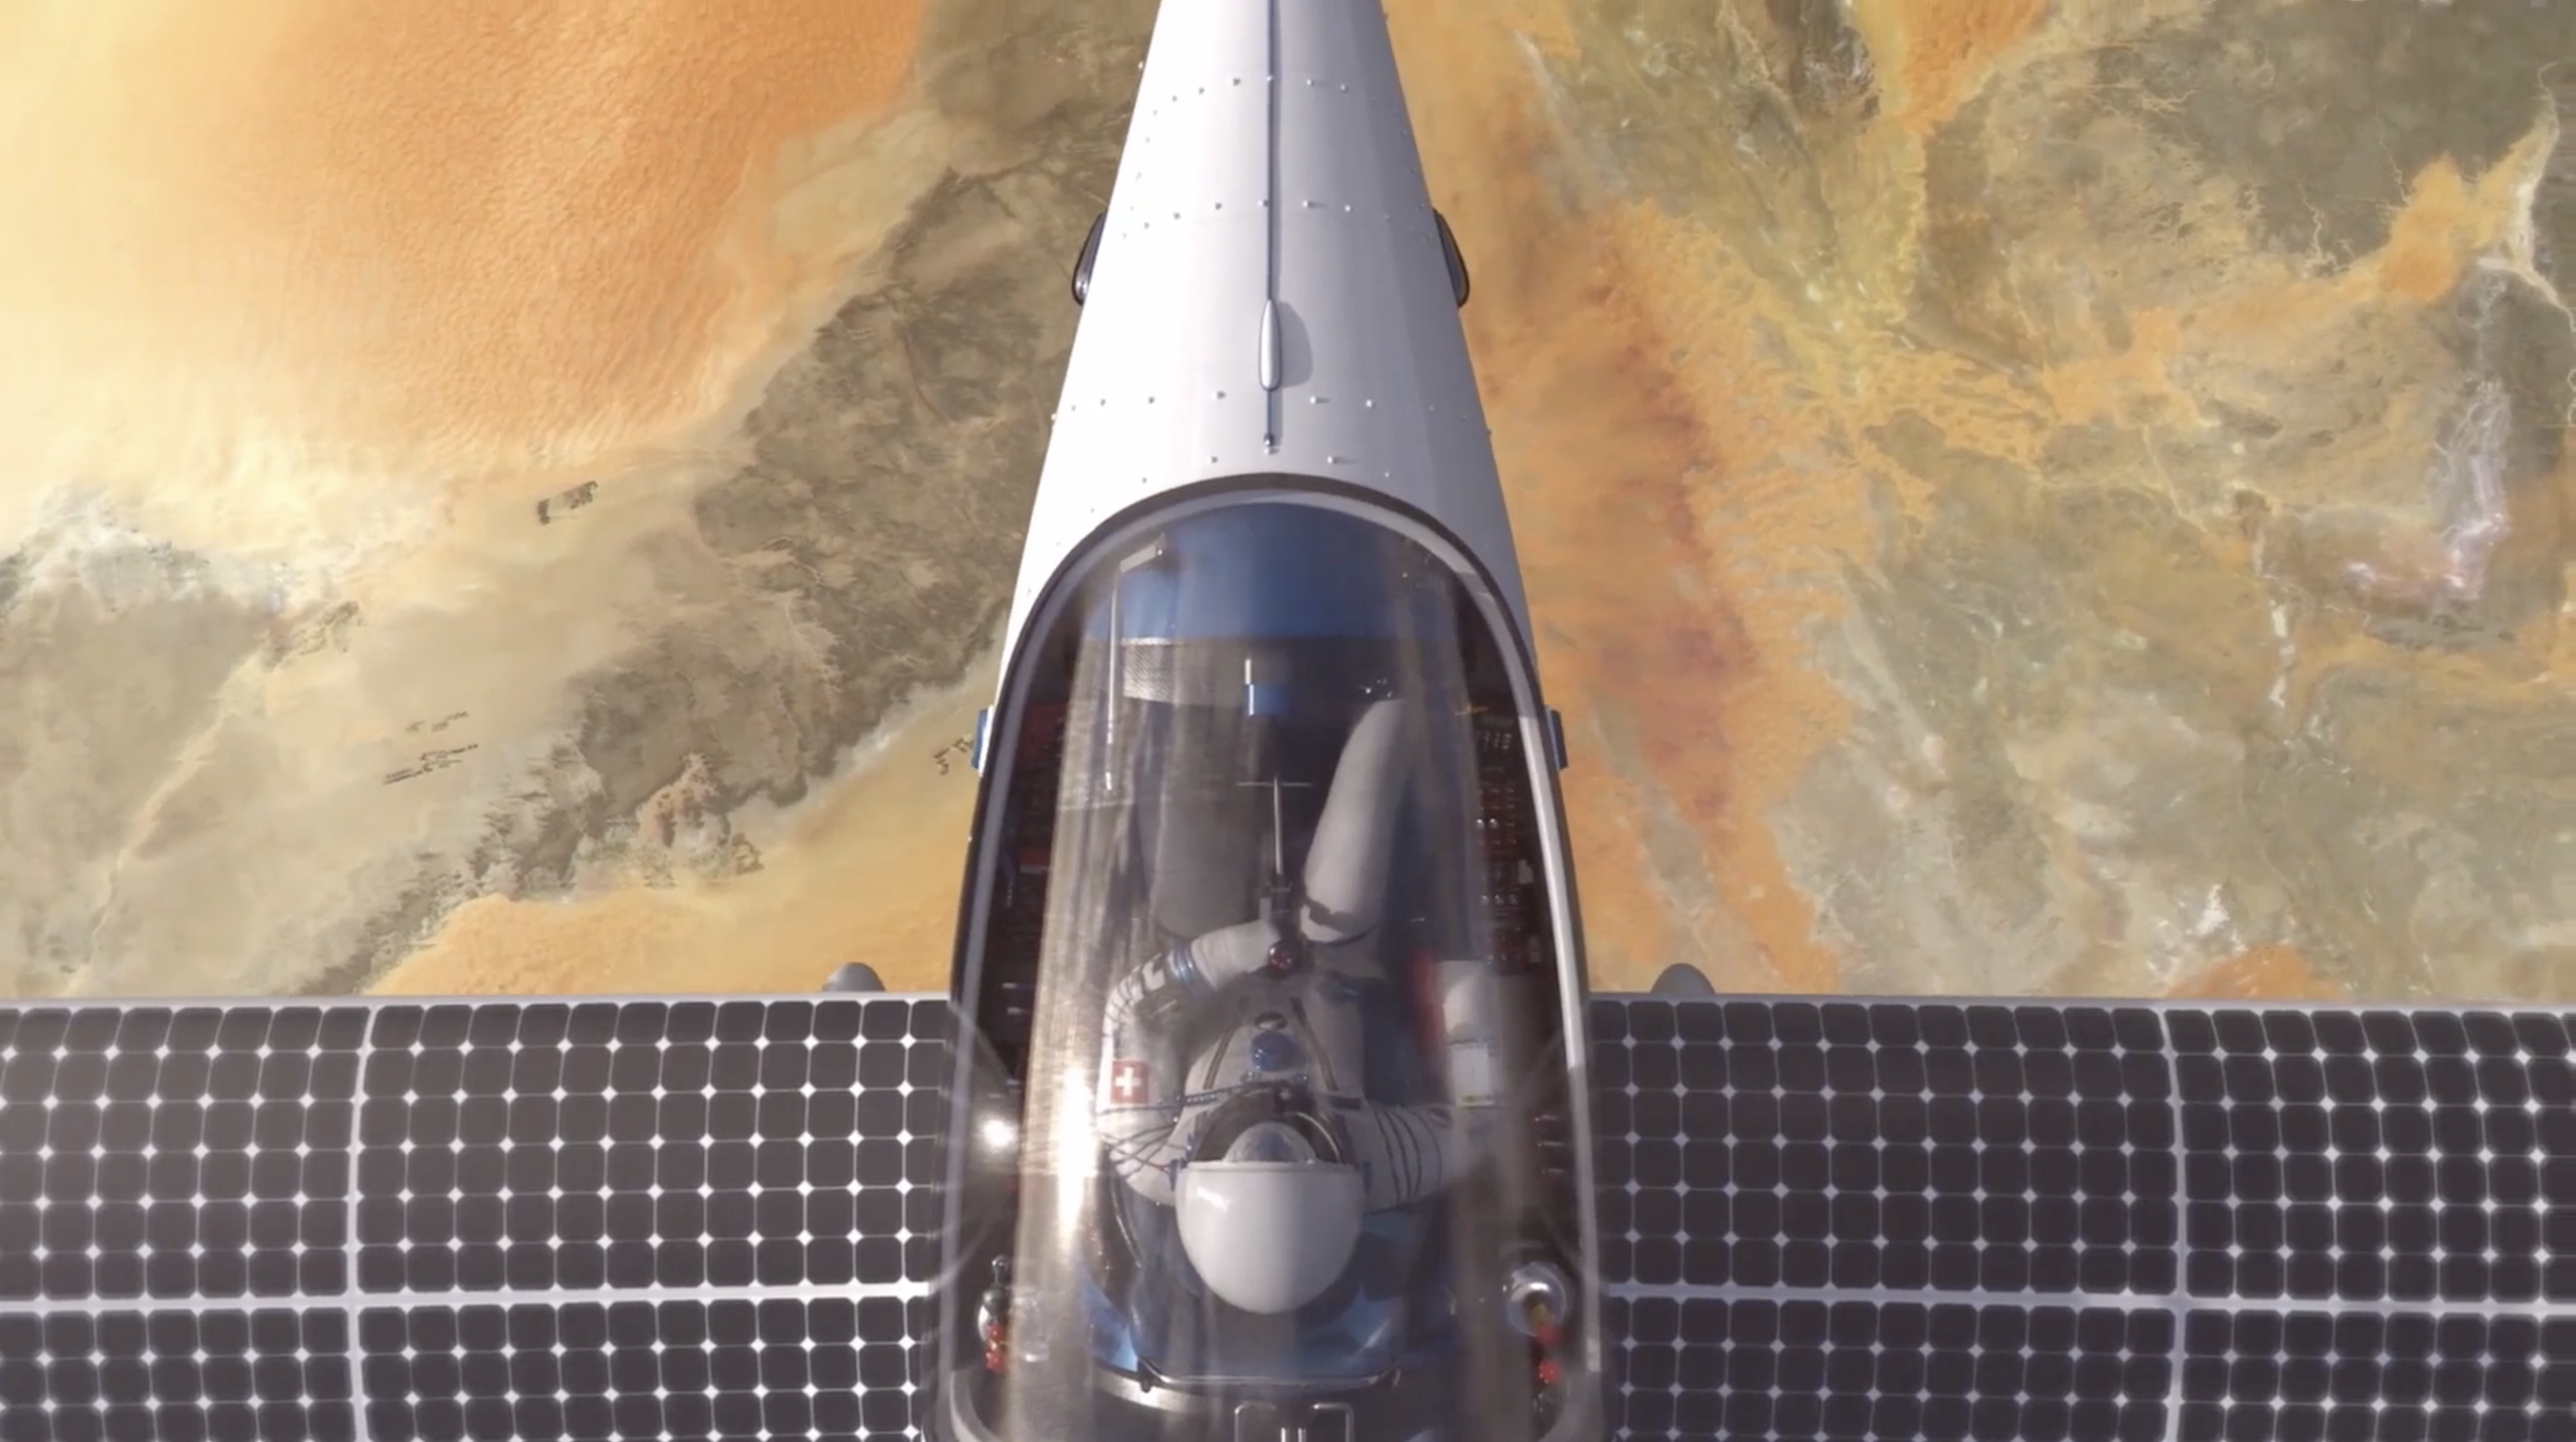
(1127, 1082)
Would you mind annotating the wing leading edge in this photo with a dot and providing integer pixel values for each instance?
(705, 1218)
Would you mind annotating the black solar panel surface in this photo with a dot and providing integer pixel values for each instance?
(190, 1152)
(1895, 1146)
(1949, 1371)
(1818, 1219)
(640, 1144)
(1900, 1220)
(361, 1223)
(176, 1374)
(778, 1367)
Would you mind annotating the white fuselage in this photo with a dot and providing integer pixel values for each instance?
(1271, 298)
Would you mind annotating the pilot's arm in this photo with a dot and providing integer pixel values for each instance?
(1143, 1109)
(1408, 1153)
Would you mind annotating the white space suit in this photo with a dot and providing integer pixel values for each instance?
(1271, 1220)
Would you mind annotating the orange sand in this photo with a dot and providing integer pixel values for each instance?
(2263, 973)
(2443, 226)
(475, 234)
(1635, 482)
(1938, 52)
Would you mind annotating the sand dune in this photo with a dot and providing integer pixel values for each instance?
(260, 252)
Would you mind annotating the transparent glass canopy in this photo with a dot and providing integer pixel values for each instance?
(1292, 1090)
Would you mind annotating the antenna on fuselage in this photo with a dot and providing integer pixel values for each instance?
(1284, 900)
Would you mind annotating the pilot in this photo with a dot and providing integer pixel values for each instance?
(1235, 1087)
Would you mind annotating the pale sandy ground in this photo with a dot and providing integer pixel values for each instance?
(867, 871)
(299, 248)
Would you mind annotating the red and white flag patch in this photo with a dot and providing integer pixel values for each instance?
(1127, 1082)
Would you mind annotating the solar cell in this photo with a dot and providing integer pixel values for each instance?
(646, 1143)
(1895, 1145)
(1938, 1371)
(175, 1152)
(2373, 1376)
(2401, 1186)
(175, 1374)
(780, 1367)
(547, 1195)
(2378, 1155)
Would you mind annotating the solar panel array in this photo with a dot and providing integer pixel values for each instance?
(380, 1223)
(649, 1219)
(1922, 1220)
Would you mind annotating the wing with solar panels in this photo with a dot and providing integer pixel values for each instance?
(474, 1219)
(1845, 1218)
(677, 1218)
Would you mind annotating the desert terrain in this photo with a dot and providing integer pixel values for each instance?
(2017, 499)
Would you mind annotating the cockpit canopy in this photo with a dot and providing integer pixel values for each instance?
(1265, 979)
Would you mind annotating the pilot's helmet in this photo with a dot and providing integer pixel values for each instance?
(1269, 1224)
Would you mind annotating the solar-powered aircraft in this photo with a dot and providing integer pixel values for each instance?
(1269, 1102)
